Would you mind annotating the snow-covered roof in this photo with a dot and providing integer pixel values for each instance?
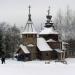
(64, 43)
(29, 32)
(58, 50)
(50, 40)
(30, 45)
(24, 48)
(29, 28)
(42, 45)
(48, 31)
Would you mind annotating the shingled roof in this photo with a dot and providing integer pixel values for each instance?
(29, 27)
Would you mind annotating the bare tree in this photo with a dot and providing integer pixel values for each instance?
(68, 19)
(9, 39)
(59, 23)
(15, 37)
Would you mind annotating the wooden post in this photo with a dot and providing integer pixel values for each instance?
(64, 55)
(61, 56)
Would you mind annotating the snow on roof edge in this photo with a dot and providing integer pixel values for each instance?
(50, 40)
(29, 33)
(58, 50)
(48, 31)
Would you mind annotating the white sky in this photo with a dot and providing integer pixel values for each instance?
(16, 11)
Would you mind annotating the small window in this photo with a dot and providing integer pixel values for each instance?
(26, 35)
(46, 54)
(34, 35)
(30, 35)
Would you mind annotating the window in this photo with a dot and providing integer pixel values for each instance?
(30, 35)
(46, 54)
(26, 35)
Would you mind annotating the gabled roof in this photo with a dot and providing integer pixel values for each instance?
(24, 48)
(48, 31)
(42, 45)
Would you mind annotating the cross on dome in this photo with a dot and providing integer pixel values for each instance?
(29, 19)
(29, 9)
(49, 11)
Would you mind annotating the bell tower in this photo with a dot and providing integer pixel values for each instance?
(29, 37)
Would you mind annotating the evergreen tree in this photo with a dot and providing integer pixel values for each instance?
(1, 43)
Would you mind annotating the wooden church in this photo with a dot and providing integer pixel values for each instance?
(44, 45)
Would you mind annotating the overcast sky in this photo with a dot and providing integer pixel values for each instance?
(16, 11)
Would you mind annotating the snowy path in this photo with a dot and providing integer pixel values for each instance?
(37, 68)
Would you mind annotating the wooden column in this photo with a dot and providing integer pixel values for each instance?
(61, 56)
(64, 55)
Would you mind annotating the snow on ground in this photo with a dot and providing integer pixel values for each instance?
(13, 67)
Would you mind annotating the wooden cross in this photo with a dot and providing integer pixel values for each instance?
(49, 10)
(29, 9)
